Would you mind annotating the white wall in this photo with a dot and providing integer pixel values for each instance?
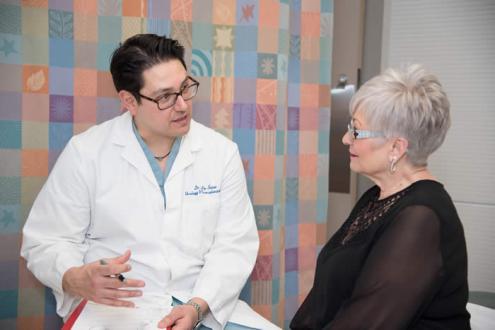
(456, 40)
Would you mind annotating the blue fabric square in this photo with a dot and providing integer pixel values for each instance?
(322, 204)
(61, 24)
(245, 139)
(276, 284)
(292, 166)
(291, 242)
(159, 9)
(294, 70)
(201, 63)
(245, 64)
(323, 142)
(246, 292)
(244, 115)
(247, 38)
(105, 51)
(264, 216)
(59, 135)
(10, 194)
(61, 52)
(10, 134)
(291, 283)
(10, 219)
(292, 190)
(61, 81)
(8, 302)
(202, 35)
(326, 6)
(10, 19)
(50, 303)
(325, 66)
(280, 142)
(293, 142)
(158, 26)
(109, 29)
(291, 212)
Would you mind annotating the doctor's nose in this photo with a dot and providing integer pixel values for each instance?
(180, 104)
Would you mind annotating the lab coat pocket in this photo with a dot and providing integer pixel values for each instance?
(200, 220)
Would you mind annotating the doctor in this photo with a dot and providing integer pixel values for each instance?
(151, 195)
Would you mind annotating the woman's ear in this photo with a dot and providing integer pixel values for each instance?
(399, 147)
(128, 101)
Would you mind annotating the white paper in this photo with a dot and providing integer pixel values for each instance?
(102, 317)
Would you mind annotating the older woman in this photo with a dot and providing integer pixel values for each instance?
(399, 260)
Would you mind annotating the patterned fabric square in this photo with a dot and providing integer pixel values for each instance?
(201, 62)
(222, 90)
(221, 115)
(291, 259)
(244, 115)
(35, 78)
(10, 225)
(266, 116)
(291, 190)
(10, 48)
(61, 108)
(62, 81)
(266, 91)
(264, 217)
(266, 144)
(181, 10)
(223, 63)
(224, 12)
(10, 19)
(61, 24)
(267, 66)
(109, 7)
(224, 37)
(247, 12)
(263, 268)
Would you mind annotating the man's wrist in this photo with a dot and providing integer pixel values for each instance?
(197, 307)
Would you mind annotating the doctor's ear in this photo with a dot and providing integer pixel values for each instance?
(128, 101)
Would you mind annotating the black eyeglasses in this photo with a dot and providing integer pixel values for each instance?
(168, 100)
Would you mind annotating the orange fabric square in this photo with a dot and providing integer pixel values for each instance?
(306, 278)
(266, 242)
(309, 95)
(224, 12)
(34, 162)
(310, 48)
(86, 6)
(221, 115)
(29, 322)
(85, 109)
(264, 310)
(321, 233)
(307, 237)
(35, 3)
(263, 192)
(309, 119)
(85, 82)
(136, 8)
(264, 167)
(308, 165)
(268, 40)
(35, 78)
(325, 96)
(85, 27)
(308, 191)
(269, 12)
(308, 142)
(81, 127)
(35, 107)
(266, 91)
(105, 85)
(310, 24)
(310, 5)
(222, 90)
(181, 10)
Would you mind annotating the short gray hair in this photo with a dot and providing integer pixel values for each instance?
(410, 103)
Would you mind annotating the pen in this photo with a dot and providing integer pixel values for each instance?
(119, 276)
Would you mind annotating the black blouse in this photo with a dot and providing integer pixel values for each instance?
(396, 263)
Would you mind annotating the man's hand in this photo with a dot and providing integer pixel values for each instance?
(96, 282)
(184, 317)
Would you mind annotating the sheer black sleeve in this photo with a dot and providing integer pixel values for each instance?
(400, 274)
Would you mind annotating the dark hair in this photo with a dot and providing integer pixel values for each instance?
(139, 53)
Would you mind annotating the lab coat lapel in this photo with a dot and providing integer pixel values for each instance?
(131, 150)
(190, 144)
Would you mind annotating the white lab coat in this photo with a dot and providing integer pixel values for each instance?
(102, 198)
